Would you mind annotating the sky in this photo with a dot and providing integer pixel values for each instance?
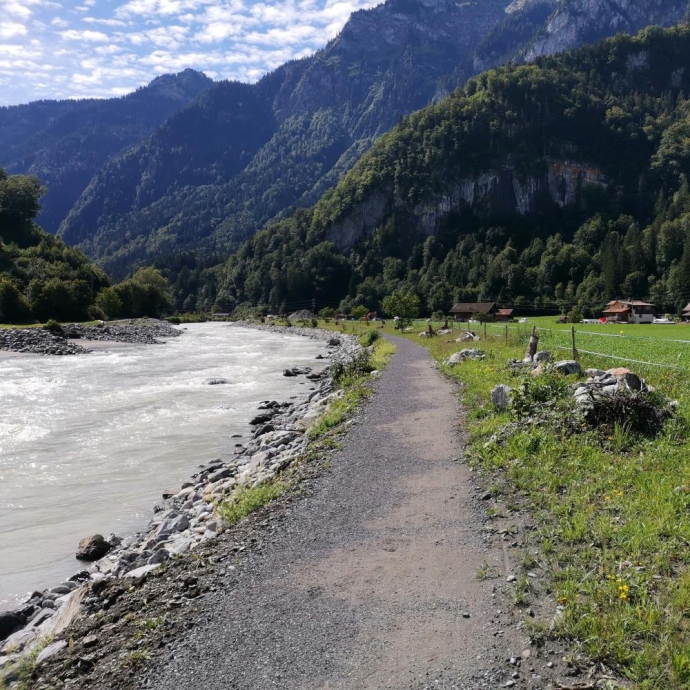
(106, 48)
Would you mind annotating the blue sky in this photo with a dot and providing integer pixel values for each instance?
(105, 48)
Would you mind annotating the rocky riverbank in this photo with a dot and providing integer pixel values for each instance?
(185, 521)
(140, 332)
(62, 341)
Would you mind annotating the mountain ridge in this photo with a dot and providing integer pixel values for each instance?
(316, 117)
(564, 181)
(65, 142)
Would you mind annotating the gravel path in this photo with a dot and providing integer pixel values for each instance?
(371, 582)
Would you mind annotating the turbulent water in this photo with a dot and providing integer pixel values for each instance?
(88, 443)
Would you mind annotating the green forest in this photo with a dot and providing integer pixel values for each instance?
(620, 107)
(42, 278)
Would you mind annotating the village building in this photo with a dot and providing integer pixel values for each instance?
(504, 314)
(464, 311)
(629, 311)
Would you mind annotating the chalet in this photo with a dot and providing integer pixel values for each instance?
(504, 314)
(464, 311)
(629, 311)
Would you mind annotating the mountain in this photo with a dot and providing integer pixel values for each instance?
(562, 181)
(65, 143)
(241, 155)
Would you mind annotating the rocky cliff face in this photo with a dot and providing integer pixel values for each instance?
(583, 21)
(496, 192)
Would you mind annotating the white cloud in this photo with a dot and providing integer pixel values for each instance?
(104, 22)
(12, 29)
(87, 36)
(98, 48)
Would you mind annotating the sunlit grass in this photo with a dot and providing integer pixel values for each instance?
(611, 517)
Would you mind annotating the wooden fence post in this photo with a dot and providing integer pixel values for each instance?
(484, 330)
(572, 337)
(506, 334)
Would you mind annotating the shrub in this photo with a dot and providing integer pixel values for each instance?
(359, 365)
(369, 337)
(54, 327)
(246, 500)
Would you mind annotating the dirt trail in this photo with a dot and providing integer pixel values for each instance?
(371, 582)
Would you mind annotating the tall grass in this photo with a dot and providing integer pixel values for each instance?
(611, 514)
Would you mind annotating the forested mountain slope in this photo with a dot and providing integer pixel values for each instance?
(64, 143)
(561, 181)
(207, 179)
(40, 277)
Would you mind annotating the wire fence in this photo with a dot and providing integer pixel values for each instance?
(664, 353)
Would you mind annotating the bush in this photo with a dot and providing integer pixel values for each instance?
(643, 413)
(96, 313)
(54, 327)
(369, 337)
(359, 365)
(360, 312)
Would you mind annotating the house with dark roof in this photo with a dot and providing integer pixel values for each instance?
(464, 311)
(629, 311)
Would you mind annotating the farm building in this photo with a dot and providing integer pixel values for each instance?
(464, 311)
(504, 315)
(629, 311)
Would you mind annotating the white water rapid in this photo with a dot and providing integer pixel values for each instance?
(89, 442)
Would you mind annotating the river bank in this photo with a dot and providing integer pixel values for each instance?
(64, 340)
(185, 520)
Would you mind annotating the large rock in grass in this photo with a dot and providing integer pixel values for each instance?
(568, 367)
(92, 548)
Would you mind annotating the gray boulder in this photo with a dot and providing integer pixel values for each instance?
(568, 367)
(501, 396)
(92, 548)
(541, 357)
(9, 622)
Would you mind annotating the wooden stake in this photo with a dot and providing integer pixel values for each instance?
(506, 334)
(572, 337)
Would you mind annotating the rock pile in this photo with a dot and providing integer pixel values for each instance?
(37, 341)
(142, 332)
(458, 357)
(543, 361)
(186, 517)
(605, 383)
(44, 342)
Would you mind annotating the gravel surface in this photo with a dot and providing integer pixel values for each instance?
(370, 581)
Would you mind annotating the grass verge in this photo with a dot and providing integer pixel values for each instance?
(246, 500)
(610, 510)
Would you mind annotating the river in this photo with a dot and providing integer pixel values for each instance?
(89, 442)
